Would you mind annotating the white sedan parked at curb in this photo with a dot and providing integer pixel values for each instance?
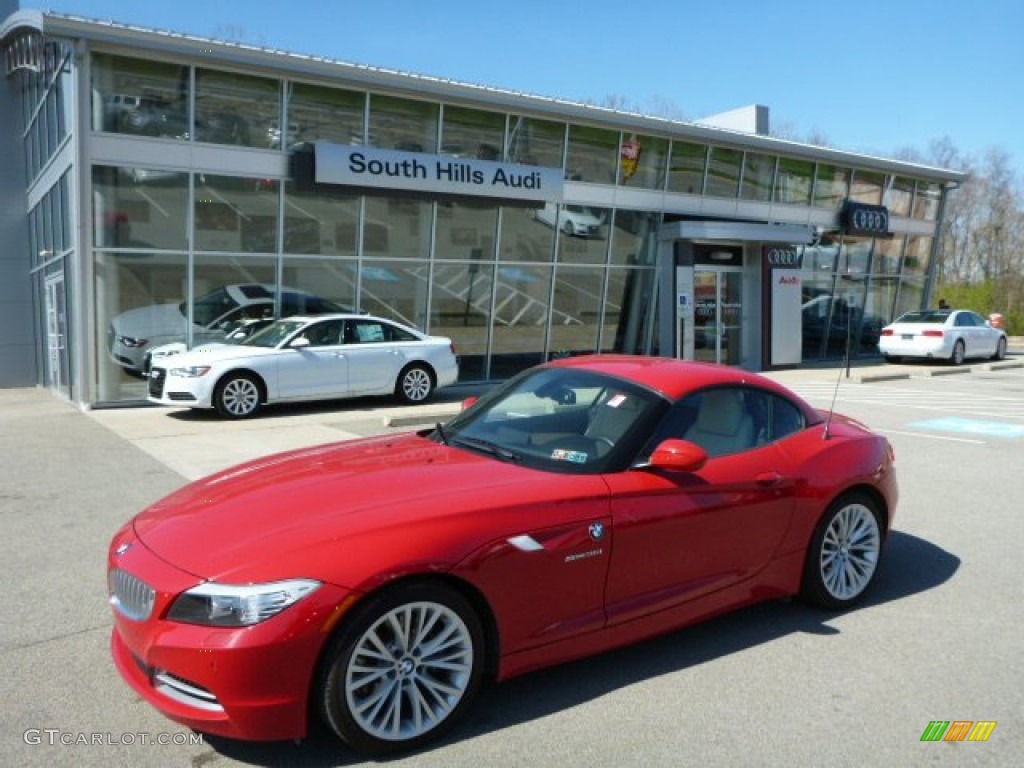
(942, 334)
(307, 358)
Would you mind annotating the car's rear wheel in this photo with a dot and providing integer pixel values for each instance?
(237, 396)
(1000, 349)
(958, 355)
(844, 552)
(404, 667)
(415, 383)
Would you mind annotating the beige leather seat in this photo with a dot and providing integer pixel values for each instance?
(723, 424)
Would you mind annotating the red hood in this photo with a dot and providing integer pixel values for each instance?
(301, 513)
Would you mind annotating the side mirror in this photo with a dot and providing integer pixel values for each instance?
(678, 456)
(300, 343)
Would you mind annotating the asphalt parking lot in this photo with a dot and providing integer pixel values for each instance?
(777, 684)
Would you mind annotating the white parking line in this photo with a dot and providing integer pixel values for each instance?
(931, 437)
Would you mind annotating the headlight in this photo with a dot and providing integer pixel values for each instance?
(191, 372)
(131, 341)
(226, 605)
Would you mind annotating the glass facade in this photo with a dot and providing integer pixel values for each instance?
(511, 285)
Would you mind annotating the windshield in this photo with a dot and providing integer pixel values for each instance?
(559, 420)
(274, 333)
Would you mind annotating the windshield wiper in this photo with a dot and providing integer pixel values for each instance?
(488, 447)
(440, 433)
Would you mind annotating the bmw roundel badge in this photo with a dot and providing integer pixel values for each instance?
(597, 531)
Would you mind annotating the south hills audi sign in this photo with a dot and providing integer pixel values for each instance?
(369, 167)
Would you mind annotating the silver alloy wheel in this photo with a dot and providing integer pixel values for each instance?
(849, 551)
(409, 671)
(240, 396)
(958, 353)
(416, 385)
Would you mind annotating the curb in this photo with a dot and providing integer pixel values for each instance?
(416, 419)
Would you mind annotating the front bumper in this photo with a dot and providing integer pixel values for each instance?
(249, 683)
(165, 389)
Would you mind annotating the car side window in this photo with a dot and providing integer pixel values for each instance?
(325, 334)
(365, 332)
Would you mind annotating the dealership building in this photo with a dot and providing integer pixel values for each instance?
(158, 186)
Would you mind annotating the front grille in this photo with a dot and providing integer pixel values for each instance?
(157, 376)
(131, 597)
(185, 692)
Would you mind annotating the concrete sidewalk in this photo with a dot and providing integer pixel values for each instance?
(197, 443)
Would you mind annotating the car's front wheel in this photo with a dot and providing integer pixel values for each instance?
(404, 667)
(1000, 349)
(415, 384)
(844, 552)
(237, 396)
(959, 353)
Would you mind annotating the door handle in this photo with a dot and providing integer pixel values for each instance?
(339, 354)
(769, 479)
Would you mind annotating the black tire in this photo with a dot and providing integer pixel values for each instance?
(1000, 349)
(427, 688)
(844, 552)
(959, 352)
(568, 229)
(415, 384)
(238, 396)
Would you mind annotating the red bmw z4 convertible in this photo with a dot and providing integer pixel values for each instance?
(584, 504)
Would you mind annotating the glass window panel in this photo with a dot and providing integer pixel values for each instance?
(831, 186)
(235, 214)
(910, 296)
(139, 208)
(403, 124)
(878, 304)
(583, 232)
(642, 161)
(577, 310)
(521, 297)
(867, 187)
(535, 142)
(309, 280)
(236, 109)
(461, 309)
(918, 256)
(926, 200)
(524, 237)
(592, 154)
(139, 96)
(898, 195)
(854, 256)
(315, 112)
(723, 172)
(138, 306)
(886, 258)
(324, 222)
(395, 289)
(794, 180)
(758, 176)
(686, 168)
(632, 237)
(228, 290)
(628, 308)
(397, 227)
(465, 231)
(472, 133)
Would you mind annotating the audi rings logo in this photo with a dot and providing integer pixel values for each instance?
(860, 219)
(872, 221)
(782, 257)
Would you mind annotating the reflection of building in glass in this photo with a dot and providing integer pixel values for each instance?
(226, 196)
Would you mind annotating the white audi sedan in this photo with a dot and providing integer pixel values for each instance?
(307, 358)
(942, 334)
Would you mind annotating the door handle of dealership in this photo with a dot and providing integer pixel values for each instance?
(769, 479)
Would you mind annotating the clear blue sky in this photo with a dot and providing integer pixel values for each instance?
(870, 76)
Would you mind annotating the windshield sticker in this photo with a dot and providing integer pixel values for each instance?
(576, 457)
(616, 401)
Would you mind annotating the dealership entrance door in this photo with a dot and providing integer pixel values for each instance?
(56, 335)
(718, 313)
